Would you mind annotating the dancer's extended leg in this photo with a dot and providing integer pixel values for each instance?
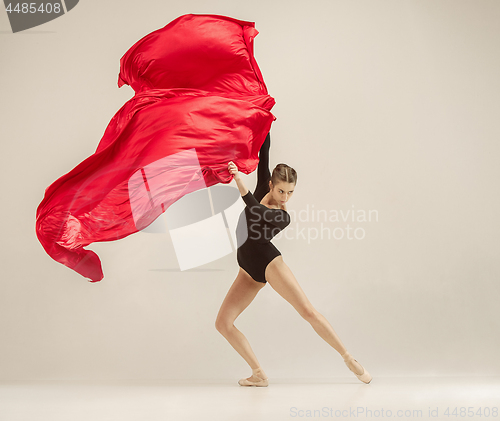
(240, 295)
(282, 280)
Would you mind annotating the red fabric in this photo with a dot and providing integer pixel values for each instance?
(199, 97)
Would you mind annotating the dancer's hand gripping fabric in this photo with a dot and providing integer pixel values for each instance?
(233, 170)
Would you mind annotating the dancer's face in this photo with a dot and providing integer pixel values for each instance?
(282, 191)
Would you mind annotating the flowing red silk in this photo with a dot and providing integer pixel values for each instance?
(200, 101)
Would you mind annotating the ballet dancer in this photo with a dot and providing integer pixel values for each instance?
(265, 215)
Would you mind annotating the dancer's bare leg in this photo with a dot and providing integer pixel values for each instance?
(240, 295)
(282, 280)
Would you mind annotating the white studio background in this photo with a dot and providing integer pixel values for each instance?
(381, 105)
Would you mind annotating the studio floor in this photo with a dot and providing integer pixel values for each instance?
(418, 398)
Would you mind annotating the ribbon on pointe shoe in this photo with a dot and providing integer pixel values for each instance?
(260, 383)
(365, 377)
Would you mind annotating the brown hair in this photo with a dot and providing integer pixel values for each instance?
(285, 173)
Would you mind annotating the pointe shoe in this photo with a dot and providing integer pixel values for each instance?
(260, 383)
(364, 376)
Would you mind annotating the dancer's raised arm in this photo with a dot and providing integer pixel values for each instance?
(233, 169)
(263, 173)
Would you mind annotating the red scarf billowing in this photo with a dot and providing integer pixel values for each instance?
(200, 101)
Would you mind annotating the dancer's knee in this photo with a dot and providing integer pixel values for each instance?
(309, 314)
(223, 326)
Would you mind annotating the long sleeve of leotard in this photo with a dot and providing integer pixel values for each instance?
(277, 217)
(263, 173)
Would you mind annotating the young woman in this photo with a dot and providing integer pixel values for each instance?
(260, 262)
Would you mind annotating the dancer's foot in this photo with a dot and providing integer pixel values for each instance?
(356, 368)
(258, 378)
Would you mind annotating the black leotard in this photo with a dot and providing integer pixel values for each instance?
(255, 249)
